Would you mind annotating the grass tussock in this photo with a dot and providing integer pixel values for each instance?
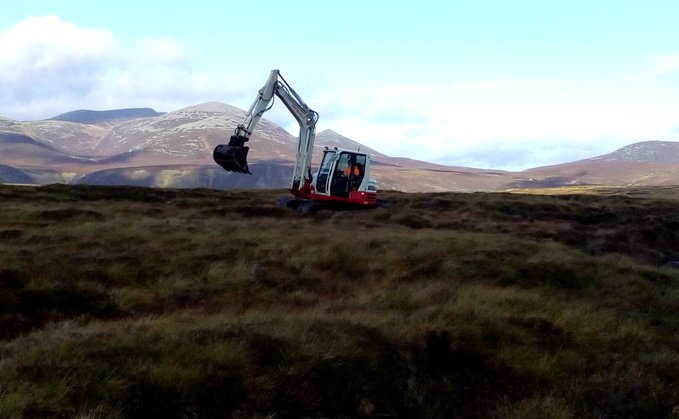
(131, 302)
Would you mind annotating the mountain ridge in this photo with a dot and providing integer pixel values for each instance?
(144, 146)
(86, 116)
(645, 151)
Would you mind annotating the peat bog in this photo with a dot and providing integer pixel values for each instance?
(126, 302)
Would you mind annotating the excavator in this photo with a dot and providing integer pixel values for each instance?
(343, 180)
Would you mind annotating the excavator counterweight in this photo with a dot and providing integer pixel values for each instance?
(234, 156)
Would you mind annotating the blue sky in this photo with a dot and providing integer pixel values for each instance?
(487, 83)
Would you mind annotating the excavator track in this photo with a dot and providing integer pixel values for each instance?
(304, 205)
(308, 205)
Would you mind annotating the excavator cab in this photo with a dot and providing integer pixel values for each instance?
(341, 173)
(234, 156)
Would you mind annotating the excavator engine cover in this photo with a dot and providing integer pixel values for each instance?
(234, 156)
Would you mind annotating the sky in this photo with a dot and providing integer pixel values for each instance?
(495, 84)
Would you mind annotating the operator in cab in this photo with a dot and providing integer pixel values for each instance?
(349, 170)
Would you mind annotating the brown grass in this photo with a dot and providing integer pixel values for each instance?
(133, 302)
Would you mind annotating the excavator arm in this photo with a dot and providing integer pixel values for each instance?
(233, 157)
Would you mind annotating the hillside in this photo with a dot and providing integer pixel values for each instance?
(127, 302)
(175, 150)
(645, 152)
(84, 116)
(146, 148)
(12, 175)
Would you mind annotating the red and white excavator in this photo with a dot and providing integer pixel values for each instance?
(343, 180)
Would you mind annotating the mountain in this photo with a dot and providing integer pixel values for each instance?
(645, 152)
(648, 163)
(329, 138)
(147, 148)
(11, 175)
(175, 149)
(85, 116)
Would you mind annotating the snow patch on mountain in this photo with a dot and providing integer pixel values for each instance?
(645, 152)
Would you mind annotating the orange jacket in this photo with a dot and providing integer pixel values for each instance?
(347, 171)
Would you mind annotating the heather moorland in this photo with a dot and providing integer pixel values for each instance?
(130, 302)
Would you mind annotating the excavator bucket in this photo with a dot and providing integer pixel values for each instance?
(234, 156)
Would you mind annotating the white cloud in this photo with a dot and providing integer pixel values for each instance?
(674, 129)
(535, 123)
(408, 90)
(666, 63)
(510, 84)
(663, 64)
(44, 57)
(161, 51)
(49, 67)
(38, 45)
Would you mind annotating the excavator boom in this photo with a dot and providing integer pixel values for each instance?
(233, 156)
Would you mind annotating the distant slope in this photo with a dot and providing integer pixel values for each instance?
(645, 152)
(143, 147)
(648, 163)
(265, 175)
(84, 116)
(329, 138)
(11, 175)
